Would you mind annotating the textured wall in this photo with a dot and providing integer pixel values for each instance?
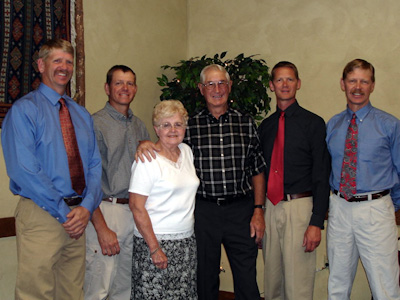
(140, 34)
(319, 36)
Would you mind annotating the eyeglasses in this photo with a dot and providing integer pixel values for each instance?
(168, 126)
(222, 84)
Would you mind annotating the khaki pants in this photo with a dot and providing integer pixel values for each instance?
(110, 276)
(289, 272)
(51, 265)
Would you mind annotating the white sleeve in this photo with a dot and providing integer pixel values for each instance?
(143, 177)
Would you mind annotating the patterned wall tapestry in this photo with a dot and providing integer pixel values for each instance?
(24, 26)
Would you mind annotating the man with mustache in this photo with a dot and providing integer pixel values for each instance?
(364, 143)
(54, 165)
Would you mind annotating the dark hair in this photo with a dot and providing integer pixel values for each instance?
(115, 68)
(358, 63)
(284, 64)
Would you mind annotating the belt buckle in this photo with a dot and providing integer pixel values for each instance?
(113, 200)
(220, 201)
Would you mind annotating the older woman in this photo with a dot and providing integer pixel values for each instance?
(162, 195)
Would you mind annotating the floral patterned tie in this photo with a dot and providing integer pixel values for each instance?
(348, 186)
(71, 146)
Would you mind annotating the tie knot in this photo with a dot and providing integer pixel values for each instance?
(353, 119)
(62, 101)
(282, 114)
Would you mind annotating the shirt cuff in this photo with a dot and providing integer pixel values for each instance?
(317, 221)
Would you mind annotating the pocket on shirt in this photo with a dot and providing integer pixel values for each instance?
(371, 147)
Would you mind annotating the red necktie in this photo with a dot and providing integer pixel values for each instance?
(71, 146)
(348, 186)
(275, 178)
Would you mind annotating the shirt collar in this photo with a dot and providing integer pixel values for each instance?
(116, 114)
(361, 113)
(223, 117)
(51, 94)
(290, 110)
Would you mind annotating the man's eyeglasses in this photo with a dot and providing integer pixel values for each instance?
(222, 84)
(168, 126)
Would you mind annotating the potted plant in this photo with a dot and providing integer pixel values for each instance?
(249, 89)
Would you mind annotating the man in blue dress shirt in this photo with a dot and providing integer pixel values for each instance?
(51, 216)
(361, 221)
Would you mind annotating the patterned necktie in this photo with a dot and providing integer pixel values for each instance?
(275, 178)
(71, 146)
(348, 186)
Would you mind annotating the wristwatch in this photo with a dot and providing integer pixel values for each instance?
(259, 206)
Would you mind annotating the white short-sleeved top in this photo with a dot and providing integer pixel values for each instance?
(171, 190)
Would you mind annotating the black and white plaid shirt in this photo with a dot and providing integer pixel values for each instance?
(227, 152)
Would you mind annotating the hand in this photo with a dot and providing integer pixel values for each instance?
(312, 238)
(159, 259)
(108, 242)
(146, 149)
(77, 220)
(257, 225)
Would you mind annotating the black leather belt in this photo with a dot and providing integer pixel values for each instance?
(119, 200)
(225, 200)
(72, 201)
(289, 197)
(360, 198)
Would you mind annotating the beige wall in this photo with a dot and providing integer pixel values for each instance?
(319, 36)
(141, 34)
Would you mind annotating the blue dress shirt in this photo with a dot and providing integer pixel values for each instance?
(378, 154)
(35, 155)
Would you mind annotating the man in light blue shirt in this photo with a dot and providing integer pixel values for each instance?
(362, 225)
(51, 216)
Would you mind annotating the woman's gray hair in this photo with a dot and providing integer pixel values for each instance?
(167, 109)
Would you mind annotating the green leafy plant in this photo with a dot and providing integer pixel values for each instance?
(249, 89)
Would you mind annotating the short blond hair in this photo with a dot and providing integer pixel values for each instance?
(51, 45)
(167, 109)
